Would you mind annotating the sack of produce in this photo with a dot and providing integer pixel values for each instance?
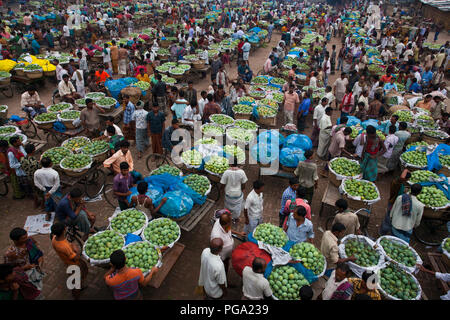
(178, 204)
(344, 168)
(192, 159)
(95, 148)
(198, 183)
(434, 198)
(221, 120)
(128, 221)
(352, 121)
(298, 141)
(108, 102)
(285, 282)
(419, 176)
(142, 255)
(56, 154)
(290, 157)
(216, 165)
(271, 136)
(394, 109)
(76, 164)
(76, 144)
(310, 257)
(404, 115)
(163, 181)
(239, 135)
(398, 250)
(265, 153)
(9, 130)
(212, 130)
(232, 152)
(154, 192)
(99, 246)
(244, 254)
(360, 190)
(269, 234)
(368, 257)
(370, 122)
(162, 232)
(246, 124)
(414, 159)
(165, 168)
(63, 106)
(95, 95)
(397, 284)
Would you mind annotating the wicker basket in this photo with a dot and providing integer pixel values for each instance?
(19, 72)
(270, 121)
(245, 116)
(101, 157)
(35, 74)
(71, 173)
(355, 204)
(333, 179)
(200, 64)
(5, 81)
(50, 73)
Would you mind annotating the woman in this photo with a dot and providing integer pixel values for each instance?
(347, 103)
(361, 286)
(14, 284)
(373, 147)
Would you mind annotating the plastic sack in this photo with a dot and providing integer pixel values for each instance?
(94, 262)
(269, 135)
(265, 153)
(154, 192)
(290, 157)
(309, 274)
(341, 177)
(130, 238)
(196, 197)
(358, 198)
(359, 270)
(298, 266)
(298, 141)
(352, 121)
(384, 293)
(370, 122)
(404, 243)
(244, 254)
(163, 181)
(178, 204)
(433, 158)
(115, 86)
(118, 211)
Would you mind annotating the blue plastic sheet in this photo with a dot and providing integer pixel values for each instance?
(271, 135)
(59, 126)
(178, 204)
(115, 86)
(433, 158)
(130, 238)
(163, 181)
(352, 121)
(371, 122)
(308, 274)
(196, 197)
(290, 157)
(298, 141)
(154, 192)
(265, 152)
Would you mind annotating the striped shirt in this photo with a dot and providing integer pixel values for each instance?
(125, 285)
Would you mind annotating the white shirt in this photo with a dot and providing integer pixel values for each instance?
(391, 140)
(118, 131)
(228, 241)
(313, 82)
(212, 273)
(325, 122)
(140, 116)
(327, 66)
(386, 55)
(254, 205)
(331, 286)
(407, 53)
(66, 31)
(319, 111)
(418, 76)
(255, 286)
(107, 55)
(233, 181)
(357, 89)
(330, 97)
(399, 48)
(65, 89)
(78, 82)
(46, 177)
(201, 105)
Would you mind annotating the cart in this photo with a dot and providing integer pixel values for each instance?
(58, 137)
(116, 113)
(22, 82)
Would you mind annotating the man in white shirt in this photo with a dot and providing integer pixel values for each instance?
(338, 278)
(408, 52)
(202, 102)
(313, 80)
(190, 115)
(399, 48)
(213, 278)
(106, 53)
(390, 42)
(325, 134)
(234, 180)
(386, 55)
(47, 180)
(79, 81)
(254, 285)
(246, 51)
(339, 88)
(110, 122)
(253, 209)
(67, 91)
(390, 142)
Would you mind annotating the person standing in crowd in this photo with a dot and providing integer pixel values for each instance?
(372, 148)
(298, 228)
(234, 180)
(325, 134)
(213, 279)
(255, 285)
(129, 125)
(319, 111)
(346, 217)
(15, 154)
(253, 209)
(89, 118)
(47, 182)
(290, 102)
(306, 172)
(122, 183)
(140, 118)
(156, 119)
(288, 194)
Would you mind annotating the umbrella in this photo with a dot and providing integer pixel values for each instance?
(244, 254)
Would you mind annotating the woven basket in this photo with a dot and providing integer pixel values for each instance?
(50, 73)
(133, 92)
(242, 116)
(71, 173)
(101, 157)
(34, 74)
(5, 81)
(200, 64)
(270, 121)
(355, 204)
(19, 72)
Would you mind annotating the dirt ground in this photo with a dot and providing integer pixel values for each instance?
(182, 279)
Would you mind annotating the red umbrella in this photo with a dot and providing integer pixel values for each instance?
(244, 254)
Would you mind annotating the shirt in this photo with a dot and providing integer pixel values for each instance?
(307, 173)
(106, 54)
(26, 99)
(117, 158)
(125, 285)
(143, 77)
(349, 220)
(299, 233)
(325, 122)
(118, 131)
(319, 111)
(128, 113)
(65, 88)
(122, 184)
(331, 286)
(288, 194)
(233, 181)
(390, 142)
(64, 210)
(290, 101)
(254, 285)
(406, 223)
(140, 116)
(357, 289)
(64, 250)
(47, 178)
(304, 106)
(228, 242)
(212, 274)
(90, 118)
(329, 248)
(156, 122)
(254, 205)
(179, 107)
(337, 144)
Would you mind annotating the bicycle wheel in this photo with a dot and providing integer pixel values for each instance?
(94, 183)
(29, 129)
(108, 195)
(155, 160)
(8, 91)
(4, 188)
(431, 232)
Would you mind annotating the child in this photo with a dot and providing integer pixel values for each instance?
(143, 201)
(140, 116)
(333, 58)
(253, 209)
(123, 181)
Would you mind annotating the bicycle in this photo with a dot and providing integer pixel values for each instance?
(56, 98)
(72, 234)
(27, 126)
(432, 231)
(363, 216)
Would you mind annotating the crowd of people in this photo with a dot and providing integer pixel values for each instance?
(355, 93)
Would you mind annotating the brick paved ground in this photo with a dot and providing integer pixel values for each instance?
(182, 280)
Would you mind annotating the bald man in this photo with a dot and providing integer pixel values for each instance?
(213, 278)
(255, 286)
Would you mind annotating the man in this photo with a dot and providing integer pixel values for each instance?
(346, 217)
(216, 64)
(329, 247)
(268, 64)
(191, 94)
(339, 88)
(67, 91)
(439, 275)
(213, 279)
(234, 180)
(406, 213)
(69, 253)
(71, 210)
(114, 51)
(303, 110)
(389, 143)
(47, 181)
(246, 51)
(253, 209)
(122, 60)
(179, 106)
(290, 101)
(222, 77)
(222, 230)
(112, 138)
(168, 142)
(159, 91)
(372, 148)
(156, 119)
(125, 281)
(101, 75)
(288, 194)
(110, 122)
(142, 76)
(391, 85)
(325, 134)
(210, 108)
(106, 54)
(337, 144)
(122, 183)
(78, 77)
(386, 55)
(426, 103)
(298, 228)
(123, 155)
(254, 285)
(338, 286)
(306, 172)
(89, 118)
(31, 102)
(15, 153)
(438, 109)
